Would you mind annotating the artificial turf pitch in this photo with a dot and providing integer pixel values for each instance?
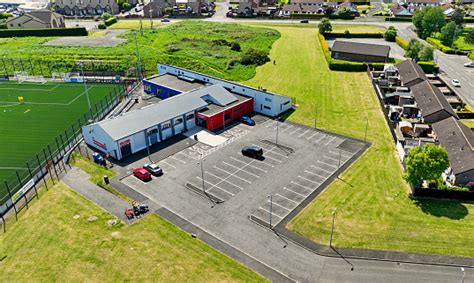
(48, 110)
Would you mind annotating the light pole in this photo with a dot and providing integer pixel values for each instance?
(271, 208)
(332, 228)
(278, 122)
(315, 114)
(463, 274)
(148, 146)
(202, 174)
(85, 86)
(139, 63)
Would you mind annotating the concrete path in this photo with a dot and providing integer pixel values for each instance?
(78, 180)
(108, 39)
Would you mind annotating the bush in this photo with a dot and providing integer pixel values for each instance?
(3, 25)
(390, 35)
(101, 26)
(428, 67)
(110, 21)
(5, 15)
(234, 46)
(325, 48)
(440, 46)
(469, 38)
(401, 42)
(106, 16)
(325, 26)
(254, 57)
(81, 31)
(347, 66)
(398, 19)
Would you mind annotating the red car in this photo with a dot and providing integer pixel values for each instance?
(142, 174)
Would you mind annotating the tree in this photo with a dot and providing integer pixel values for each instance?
(325, 26)
(413, 49)
(433, 21)
(254, 57)
(448, 33)
(458, 17)
(390, 34)
(425, 162)
(344, 12)
(469, 38)
(417, 20)
(426, 53)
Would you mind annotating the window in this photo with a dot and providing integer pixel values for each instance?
(189, 117)
(178, 121)
(165, 126)
(266, 107)
(227, 116)
(286, 103)
(268, 99)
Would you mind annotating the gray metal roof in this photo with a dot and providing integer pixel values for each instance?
(138, 120)
(360, 48)
(410, 72)
(431, 100)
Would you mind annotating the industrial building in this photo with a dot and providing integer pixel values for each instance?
(188, 102)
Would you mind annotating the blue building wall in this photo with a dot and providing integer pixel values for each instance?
(159, 90)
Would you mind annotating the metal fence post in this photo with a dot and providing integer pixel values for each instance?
(52, 159)
(41, 170)
(11, 198)
(21, 184)
(47, 165)
(31, 176)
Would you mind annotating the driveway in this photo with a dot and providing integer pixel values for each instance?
(108, 39)
(395, 50)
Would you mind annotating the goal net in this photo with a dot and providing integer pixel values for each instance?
(58, 76)
(35, 79)
(20, 76)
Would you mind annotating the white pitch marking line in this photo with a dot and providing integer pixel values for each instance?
(162, 161)
(316, 183)
(309, 172)
(184, 162)
(304, 187)
(285, 188)
(233, 174)
(225, 179)
(316, 167)
(304, 133)
(215, 186)
(241, 169)
(273, 212)
(327, 164)
(249, 164)
(287, 198)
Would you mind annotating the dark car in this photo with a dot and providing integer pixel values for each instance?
(253, 151)
(142, 174)
(165, 20)
(304, 21)
(247, 120)
(154, 169)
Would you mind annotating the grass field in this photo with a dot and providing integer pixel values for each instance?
(189, 44)
(134, 24)
(373, 206)
(48, 244)
(48, 110)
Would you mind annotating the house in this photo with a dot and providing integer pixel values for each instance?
(37, 19)
(398, 10)
(458, 140)
(351, 6)
(410, 73)
(360, 52)
(413, 5)
(156, 8)
(432, 103)
(88, 8)
(249, 8)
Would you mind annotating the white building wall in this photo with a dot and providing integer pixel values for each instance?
(95, 137)
(178, 128)
(266, 103)
(138, 141)
(168, 132)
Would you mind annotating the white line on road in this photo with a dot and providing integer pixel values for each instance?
(275, 203)
(317, 175)
(250, 164)
(304, 133)
(285, 188)
(225, 171)
(327, 164)
(184, 162)
(316, 183)
(273, 212)
(225, 179)
(316, 167)
(287, 198)
(241, 169)
(214, 186)
(163, 161)
(304, 187)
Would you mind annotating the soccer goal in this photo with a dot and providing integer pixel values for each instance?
(58, 76)
(36, 79)
(20, 76)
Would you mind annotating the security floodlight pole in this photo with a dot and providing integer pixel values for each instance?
(271, 208)
(202, 174)
(148, 146)
(139, 63)
(85, 86)
(278, 122)
(332, 228)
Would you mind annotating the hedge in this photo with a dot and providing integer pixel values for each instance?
(428, 67)
(355, 35)
(320, 16)
(471, 55)
(81, 31)
(325, 47)
(5, 15)
(3, 25)
(397, 19)
(401, 42)
(440, 46)
(110, 21)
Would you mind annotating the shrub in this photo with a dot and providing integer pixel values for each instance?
(3, 25)
(254, 57)
(105, 16)
(325, 47)
(101, 26)
(5, 15)
(390, 35)
(401, 42)
(426, 53)
(428, 67)
(81, 31)
(469, 38)
(234, 46)
(110, 21)
(348, 34)
(438, 45)
(325, 26)
(398, 19)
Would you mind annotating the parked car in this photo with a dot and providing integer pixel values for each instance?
(247, 120)
(98, 159)
(469, 64)
(165, 20)
(154, 169)
(252, 151)
(304, 21)
(142, 174)
(456, 83)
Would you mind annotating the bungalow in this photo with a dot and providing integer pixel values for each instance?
(398, 10)
(37, 19)
(359, 52)
(410, 73)
(458, 140)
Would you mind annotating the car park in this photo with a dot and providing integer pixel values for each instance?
(153, 169)
(247, 120)
(456, 83)
(252, 151)
(469, 64)
(142, 174)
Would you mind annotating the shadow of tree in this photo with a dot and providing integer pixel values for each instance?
(442, 208)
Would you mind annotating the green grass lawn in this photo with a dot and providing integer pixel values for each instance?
(28, 128)
(134, 24)
(188, 44)
(357, 28)
(373, 205)
(48, 245)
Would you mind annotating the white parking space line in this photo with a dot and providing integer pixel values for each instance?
(317, 175)
(214, 186)
(270, 150)
(273, 212)
(233, 174)
(287, 198)
(164, 162)
(250, 164)
(241, 169)
(182, 153)
(289, 127)
(304, 187)
(271, 158)
(310, 137)
(316, 167)
(327, 164)
(334, 159)
(224, 180)
(344, 153)
(275, 203)
(330, 141)
(320, 138)
(220, 189)
(296, 130)
(184, 162)
(304, 133)
(285, 188)
(316, 183)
